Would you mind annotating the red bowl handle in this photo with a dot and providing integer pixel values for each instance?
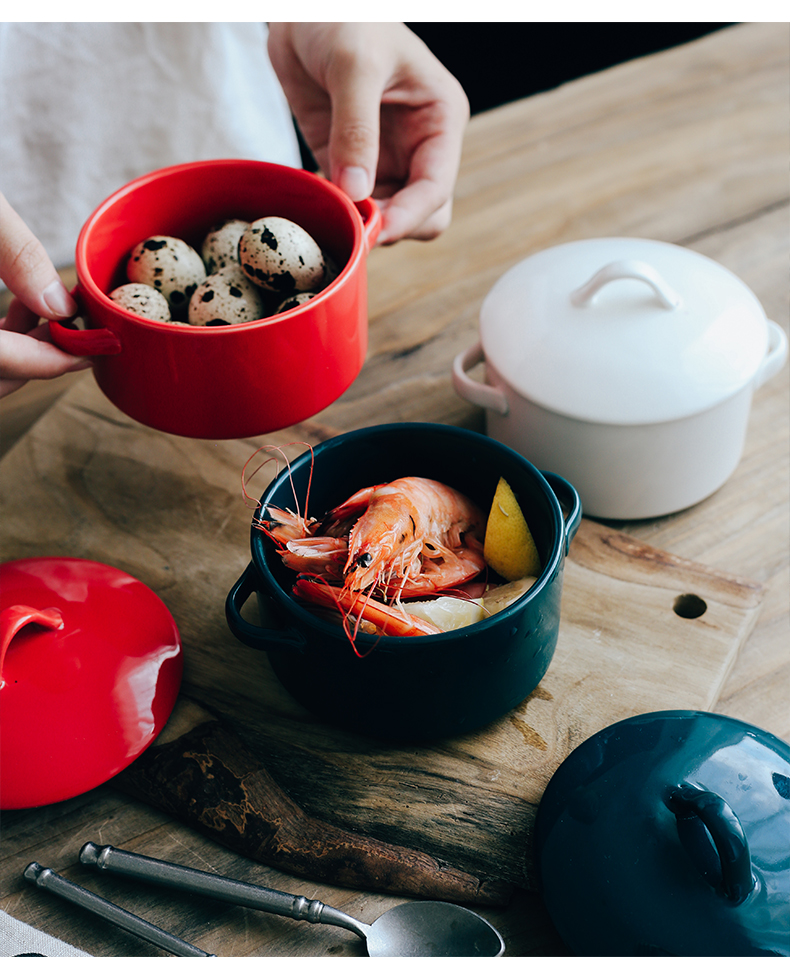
(89, 341)
(83, 341)
(13, 618)
(371, 218)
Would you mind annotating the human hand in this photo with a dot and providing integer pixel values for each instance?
(381, 114)
(25, 349)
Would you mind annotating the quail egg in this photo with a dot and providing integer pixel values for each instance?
(142, 299)
(294, 301)
(221, 246)
(170, 265)
(225, 298)
(278, 255)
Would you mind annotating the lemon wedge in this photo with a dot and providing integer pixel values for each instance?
(509, 547)
(448, 613)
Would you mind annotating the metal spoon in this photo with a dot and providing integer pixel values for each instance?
(422, 928)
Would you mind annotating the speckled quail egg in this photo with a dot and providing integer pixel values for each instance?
(226, 298)
(142, 299)
(278, 255)
(170, 265)
(294, 301)
(221, 245)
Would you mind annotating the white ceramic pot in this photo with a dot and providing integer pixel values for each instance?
(625, 365)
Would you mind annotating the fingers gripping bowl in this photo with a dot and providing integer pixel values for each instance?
(241, 379)
(430, 686)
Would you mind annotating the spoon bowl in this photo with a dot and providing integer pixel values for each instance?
(426, 928)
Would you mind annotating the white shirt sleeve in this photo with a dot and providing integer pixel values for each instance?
(85, 107)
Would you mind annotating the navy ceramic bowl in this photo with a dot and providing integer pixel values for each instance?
(669, 834)
(411, 688)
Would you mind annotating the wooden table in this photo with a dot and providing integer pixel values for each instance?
(688, 146)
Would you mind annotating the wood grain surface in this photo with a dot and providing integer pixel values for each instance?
(171, 513)
(689, 146)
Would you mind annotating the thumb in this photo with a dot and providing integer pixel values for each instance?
(27, 270)
(354, 133)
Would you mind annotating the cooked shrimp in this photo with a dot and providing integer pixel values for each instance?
(409, 538)
(413, 527)
(412, 537)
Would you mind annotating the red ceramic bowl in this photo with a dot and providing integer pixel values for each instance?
(234, 380)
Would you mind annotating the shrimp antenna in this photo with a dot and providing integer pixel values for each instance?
(245, 478)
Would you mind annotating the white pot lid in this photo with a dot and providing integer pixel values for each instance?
(623, 330)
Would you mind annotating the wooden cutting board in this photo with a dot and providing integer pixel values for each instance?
(641, 630)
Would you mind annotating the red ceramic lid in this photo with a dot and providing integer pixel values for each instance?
(90, 667)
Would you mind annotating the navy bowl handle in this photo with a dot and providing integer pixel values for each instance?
(566, 493)
(257, 637)
(689, 805)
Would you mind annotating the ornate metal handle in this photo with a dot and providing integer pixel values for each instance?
(45, 878)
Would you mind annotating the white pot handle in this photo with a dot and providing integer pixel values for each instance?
(476, 392)
(619, 269)
(775, 357)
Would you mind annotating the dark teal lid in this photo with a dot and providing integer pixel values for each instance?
(669, 834)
